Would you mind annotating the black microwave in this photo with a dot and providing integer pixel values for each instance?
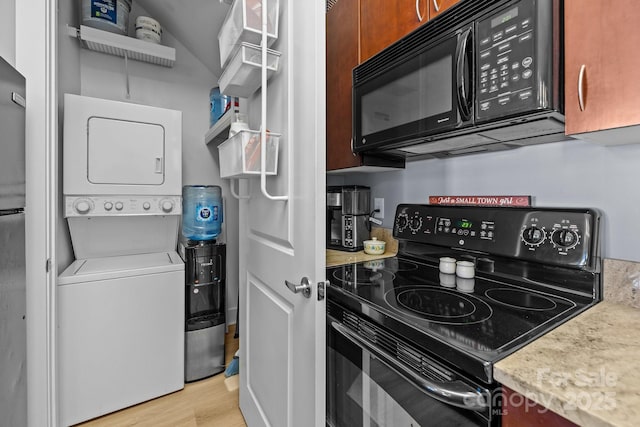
(483, 76)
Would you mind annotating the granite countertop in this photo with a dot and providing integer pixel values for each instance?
(585, 370)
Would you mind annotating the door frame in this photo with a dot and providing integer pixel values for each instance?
(36, 58)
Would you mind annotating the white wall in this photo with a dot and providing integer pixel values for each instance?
(183, 87)
(8, 31)
(572, 174)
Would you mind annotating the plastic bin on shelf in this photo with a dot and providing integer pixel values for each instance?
(243, 23)
(240, 155)
(243, 75)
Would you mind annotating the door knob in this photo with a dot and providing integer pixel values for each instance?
(303, 287)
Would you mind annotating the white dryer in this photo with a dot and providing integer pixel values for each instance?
(121, 302)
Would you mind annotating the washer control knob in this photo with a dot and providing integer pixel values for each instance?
(167, 206)
(146, 206)
(119, 206)
(83, 206)
(108, 206)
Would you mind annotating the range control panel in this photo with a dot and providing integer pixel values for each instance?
(567, 237)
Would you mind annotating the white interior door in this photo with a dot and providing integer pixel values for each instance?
(282, 334)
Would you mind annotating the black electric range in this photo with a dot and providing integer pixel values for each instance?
(534, 268)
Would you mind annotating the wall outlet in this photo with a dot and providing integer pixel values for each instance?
(378, 203)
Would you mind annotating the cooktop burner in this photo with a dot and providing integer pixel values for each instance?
(519, 299)
(440, 305)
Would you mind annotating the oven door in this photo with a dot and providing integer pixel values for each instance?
(426, 94)
(368, 387)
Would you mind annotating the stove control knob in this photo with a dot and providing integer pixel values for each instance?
(108, 206)
(119, 206)
(533, 236)
(415, 224)
(167, 206)
(83, 206)
(565, 238)
(401, 222)
(146, 206)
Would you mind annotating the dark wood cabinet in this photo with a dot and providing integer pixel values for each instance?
(342, 57)
(343, 54)
(383, 22)
(601, 67)
(518, 411)
(436, 7)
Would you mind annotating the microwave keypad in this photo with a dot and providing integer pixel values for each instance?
(506, 64)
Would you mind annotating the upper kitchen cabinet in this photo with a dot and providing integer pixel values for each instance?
(342, 56)
(383, 22)
(601, 83)
(436, 7)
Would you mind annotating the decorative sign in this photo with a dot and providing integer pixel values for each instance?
(520, 201)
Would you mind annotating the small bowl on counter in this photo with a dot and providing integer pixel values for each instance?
(374, 246)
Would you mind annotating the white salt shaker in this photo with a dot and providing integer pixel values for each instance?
(447, 265)
(465, 269)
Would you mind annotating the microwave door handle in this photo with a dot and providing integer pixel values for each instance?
(455, 393)
(463, 83)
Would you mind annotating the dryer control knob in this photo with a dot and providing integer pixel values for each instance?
(119, 206)
(146, 206)
(167, 206)
(82, 206)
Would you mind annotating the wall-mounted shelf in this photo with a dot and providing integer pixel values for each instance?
(119, 45)
(219, 132)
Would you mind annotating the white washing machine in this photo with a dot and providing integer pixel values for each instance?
(121, 302)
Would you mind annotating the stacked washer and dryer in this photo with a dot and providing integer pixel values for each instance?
(121, 302)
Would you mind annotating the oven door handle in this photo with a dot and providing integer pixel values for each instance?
(454, 393)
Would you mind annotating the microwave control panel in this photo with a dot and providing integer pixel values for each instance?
(507, 72)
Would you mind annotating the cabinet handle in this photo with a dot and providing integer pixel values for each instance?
(436, 6)
(418, 10)
(583, 68)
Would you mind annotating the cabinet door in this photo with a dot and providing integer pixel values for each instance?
(601, 43)
(342, 57)
(383, 22)
(436, 7)
(518, 411)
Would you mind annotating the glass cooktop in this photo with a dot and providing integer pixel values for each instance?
(484, 316)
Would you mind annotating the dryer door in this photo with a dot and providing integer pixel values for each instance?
(125, 152)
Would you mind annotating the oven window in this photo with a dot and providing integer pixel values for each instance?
(363, 392)
(424, 92)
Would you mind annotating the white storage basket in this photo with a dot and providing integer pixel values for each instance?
(243, 23)
(243, 75)
(240, 155)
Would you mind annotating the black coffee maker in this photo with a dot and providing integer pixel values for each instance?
(348, 212)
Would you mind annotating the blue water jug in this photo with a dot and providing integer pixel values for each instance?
(219, 104)
(201, 211)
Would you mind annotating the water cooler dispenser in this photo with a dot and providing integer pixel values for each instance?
(205, 261)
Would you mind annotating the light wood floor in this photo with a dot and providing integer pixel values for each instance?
(203, 403)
